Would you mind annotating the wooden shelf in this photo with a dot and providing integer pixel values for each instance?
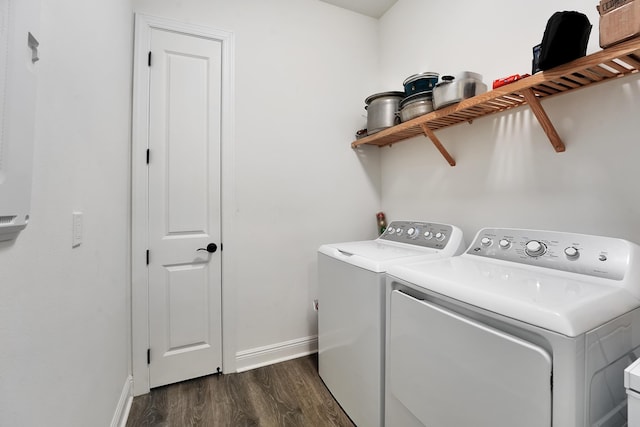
(608, 64)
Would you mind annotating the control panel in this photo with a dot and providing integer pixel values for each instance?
(425, 234)
(598, 256)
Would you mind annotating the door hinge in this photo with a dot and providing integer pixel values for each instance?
(147, 156)
(147, 256)
(218, 370)
(149, 59)
(148, 356)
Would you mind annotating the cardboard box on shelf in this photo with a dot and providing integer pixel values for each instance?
(607, 6)
(619, 24)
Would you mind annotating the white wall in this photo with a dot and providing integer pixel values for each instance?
(507, 173)
(302, 71)
(64, 313)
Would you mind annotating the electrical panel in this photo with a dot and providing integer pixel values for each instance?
(19, 22)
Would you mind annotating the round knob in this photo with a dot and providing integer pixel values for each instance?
(504, 244)
(485, 241)
(571, 252)
(391, 230)
(412, 232)
(399, 231)
(535, 248)
(440, 236)
(428, 235)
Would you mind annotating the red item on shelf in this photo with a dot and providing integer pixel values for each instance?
(506, 80)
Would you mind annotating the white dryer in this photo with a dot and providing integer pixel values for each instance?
(526, 328)
(351, 309)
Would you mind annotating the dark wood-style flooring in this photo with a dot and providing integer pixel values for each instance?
(285, 394)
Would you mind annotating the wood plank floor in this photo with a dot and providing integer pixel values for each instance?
(285, 394)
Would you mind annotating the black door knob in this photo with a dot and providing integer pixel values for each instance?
(211, 248)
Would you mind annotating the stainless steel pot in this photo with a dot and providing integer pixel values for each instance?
(454, 89)
(415, 105)
(381, 110)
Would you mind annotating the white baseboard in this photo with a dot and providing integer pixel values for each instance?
(274, 353)
(124, 404)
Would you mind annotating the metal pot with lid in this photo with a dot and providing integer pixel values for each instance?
(381, 110)
(415, 105)
(421, 82)
(454, 89)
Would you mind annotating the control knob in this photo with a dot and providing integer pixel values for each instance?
(485, 241)
(428, 235)
(504, 244)
(391, 230)
(440, 237)
(399, 231)
(535, 248)
(412, 232)
(572, 252)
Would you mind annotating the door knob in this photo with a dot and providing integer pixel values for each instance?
(211, 248)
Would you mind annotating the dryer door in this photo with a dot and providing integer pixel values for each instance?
(451, 371)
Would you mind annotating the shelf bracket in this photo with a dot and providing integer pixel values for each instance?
(432, 136)
(543, 119)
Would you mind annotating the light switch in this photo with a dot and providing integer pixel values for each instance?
(76, 231)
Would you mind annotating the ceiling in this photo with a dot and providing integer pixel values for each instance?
(373, 8)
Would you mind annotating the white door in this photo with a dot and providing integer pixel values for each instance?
(184, 207)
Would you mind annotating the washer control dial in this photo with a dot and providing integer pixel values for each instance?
(440, 237)
(399, 231)
(412, 232)
(391, 230)
(571, 252)
(504, 244)
(485, 241)
(535, 248)
(428, 235)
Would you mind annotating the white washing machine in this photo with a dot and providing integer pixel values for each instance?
(351, 313)
(526, 328)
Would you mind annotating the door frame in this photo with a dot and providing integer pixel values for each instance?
(144, 24)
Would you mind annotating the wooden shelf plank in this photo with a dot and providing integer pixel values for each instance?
(613, 62)
(631, 61)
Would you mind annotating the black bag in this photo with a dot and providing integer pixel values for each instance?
(565, 39)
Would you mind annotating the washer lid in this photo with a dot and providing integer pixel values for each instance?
(568, 303)
(376, 255)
